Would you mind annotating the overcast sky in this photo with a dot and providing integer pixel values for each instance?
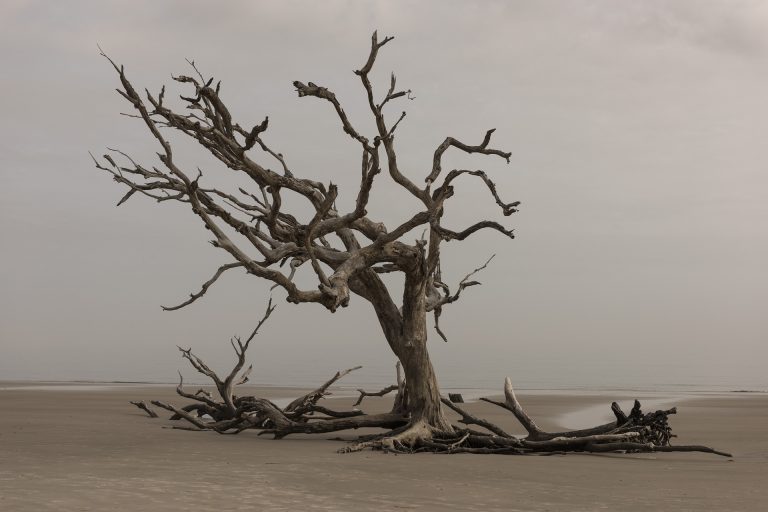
(638, 137)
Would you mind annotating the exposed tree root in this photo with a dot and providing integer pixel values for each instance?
(232, 414)
(635, 432)
(404, 440)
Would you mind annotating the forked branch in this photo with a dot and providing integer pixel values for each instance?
(482, 148)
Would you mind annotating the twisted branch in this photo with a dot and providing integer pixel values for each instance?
(452, 142)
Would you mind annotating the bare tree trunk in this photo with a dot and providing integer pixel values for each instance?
(424, 403)
(407, 336)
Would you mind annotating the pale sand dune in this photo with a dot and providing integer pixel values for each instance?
(76, 450)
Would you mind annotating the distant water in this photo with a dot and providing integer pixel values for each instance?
(650, 378)
(474, 376)
(641, 372)
(75, 386)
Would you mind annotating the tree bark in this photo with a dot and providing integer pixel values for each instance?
(424, 403)
(409, 343)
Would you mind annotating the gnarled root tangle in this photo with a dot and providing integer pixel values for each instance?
(231, 414)
(408, 439)
(636, 432)
(633, 433)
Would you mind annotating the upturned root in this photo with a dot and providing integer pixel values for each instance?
(635, 432)
(421, 437)
(406, 440)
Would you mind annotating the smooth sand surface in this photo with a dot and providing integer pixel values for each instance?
(76, 449)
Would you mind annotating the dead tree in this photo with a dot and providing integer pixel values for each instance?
(345, 264)
(346, 250)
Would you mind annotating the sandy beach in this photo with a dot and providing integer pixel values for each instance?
(85, 448)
